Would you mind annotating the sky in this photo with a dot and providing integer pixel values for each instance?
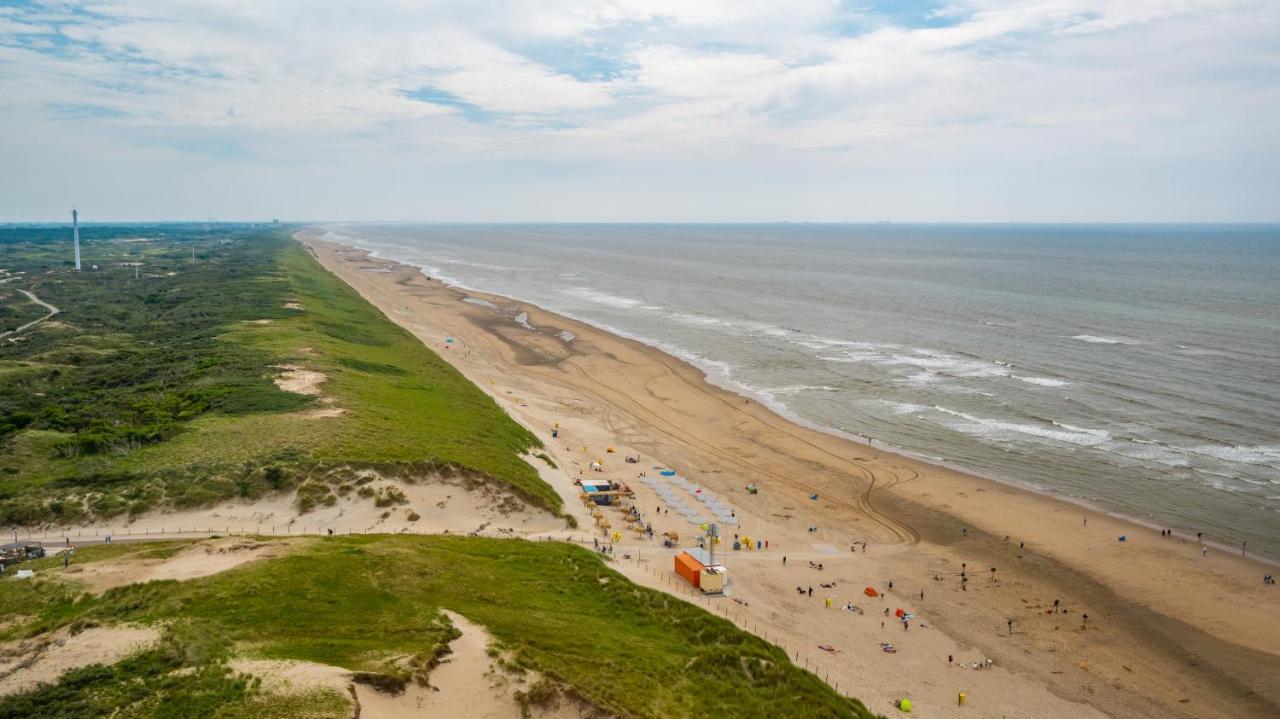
(641, 110)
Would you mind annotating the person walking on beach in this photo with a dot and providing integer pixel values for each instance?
(1204, 550)
(784, 560)
(811, 591)
(1010, 622)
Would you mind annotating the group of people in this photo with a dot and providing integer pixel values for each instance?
(976, 664)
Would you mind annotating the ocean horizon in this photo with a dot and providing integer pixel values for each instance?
(1129, 367)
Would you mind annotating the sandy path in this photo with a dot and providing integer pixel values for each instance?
(460, 686)
(465, 684)
(1164, 626)
(44, 659)
(198, 560)
(48, 308)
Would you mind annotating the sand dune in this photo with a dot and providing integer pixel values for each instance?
(28, 663)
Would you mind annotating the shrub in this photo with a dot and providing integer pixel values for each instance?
(389, 496)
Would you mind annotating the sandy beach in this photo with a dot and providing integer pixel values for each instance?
(1170, 632)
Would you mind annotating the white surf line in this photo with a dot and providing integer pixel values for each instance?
(31, 296)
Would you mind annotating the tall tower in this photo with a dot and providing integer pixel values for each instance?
(75, 235)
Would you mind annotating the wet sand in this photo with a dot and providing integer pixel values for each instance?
(1170, 633)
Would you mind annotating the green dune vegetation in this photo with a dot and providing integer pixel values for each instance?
(157, 391)
(155, 386)
(555, 611)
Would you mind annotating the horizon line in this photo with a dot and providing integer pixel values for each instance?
(268, 221)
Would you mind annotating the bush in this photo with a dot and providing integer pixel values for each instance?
(312, 494)
(388, 496)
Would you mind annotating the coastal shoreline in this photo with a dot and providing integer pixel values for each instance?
(714, 374)
(948, 514)
(711, 376)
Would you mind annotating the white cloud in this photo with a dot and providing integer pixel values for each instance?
(520, 87)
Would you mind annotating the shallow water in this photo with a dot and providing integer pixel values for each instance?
(1134, 367)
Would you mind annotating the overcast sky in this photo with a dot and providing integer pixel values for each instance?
(641, 110)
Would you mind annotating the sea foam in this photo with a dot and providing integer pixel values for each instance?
(1042, 381)
(995, 428)
(1095, 339)
(602, 298)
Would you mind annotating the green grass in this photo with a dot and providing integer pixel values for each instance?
(356, 602)
(158, 392)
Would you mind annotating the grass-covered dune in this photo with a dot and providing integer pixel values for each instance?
(154, 384)
(358, 602)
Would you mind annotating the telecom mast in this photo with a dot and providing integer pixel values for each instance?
(75, 236)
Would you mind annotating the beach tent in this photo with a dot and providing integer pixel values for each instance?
(870, 592)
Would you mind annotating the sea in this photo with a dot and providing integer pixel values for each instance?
(1135, 368)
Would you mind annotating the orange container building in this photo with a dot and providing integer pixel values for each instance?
(689, 568)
